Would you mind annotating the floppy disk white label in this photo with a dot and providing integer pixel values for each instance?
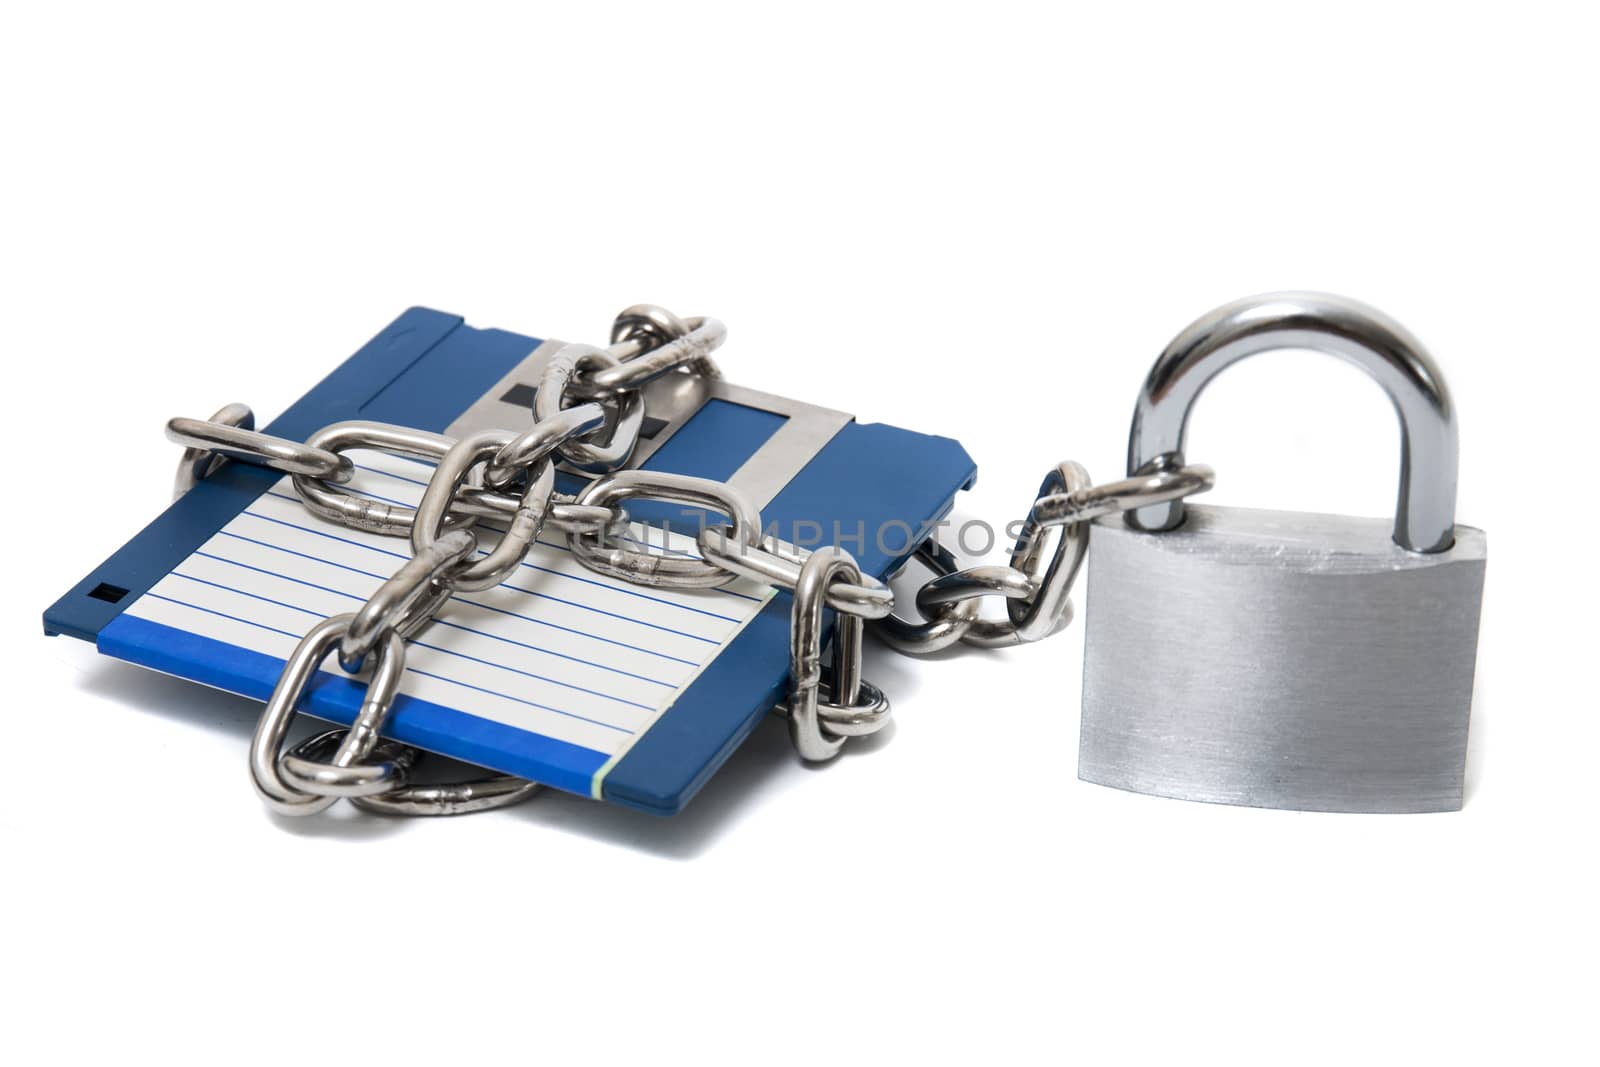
(556, 650)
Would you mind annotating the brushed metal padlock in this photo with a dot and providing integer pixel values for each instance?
(1279, 659)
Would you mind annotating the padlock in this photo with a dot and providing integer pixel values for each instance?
(1278, 659)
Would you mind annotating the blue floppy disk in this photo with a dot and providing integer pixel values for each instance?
(628, 694)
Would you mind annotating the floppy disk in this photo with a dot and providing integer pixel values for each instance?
(624, 693)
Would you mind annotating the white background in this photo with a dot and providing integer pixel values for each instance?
(979, 220)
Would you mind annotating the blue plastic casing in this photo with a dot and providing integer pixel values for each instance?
(424, 370)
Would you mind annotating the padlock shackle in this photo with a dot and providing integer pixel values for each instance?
(1425, 513)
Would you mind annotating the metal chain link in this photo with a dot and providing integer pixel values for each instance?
(587, 413)
(493, 474)
(1035, 591)
(825, 714)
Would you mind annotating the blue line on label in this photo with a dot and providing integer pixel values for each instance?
(439, 622)
(461, 655)
(508, 585)
(547, 544)
(519, 700)
(413, 670)
(530, 566)
(387, 474)
(458, 598)
(225, 615)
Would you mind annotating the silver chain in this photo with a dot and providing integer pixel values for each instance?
(1036, 583)
(588, 411)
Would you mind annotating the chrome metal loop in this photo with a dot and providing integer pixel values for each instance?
(867, 715)
(455, 798)
(646, 326)
(1429, 447)
(574, 518)
(948, 623)
(196, 463)
(298, 670)
(231, 434)
(778, 563)
(973, 582)
(408, 600)
(608, 450)
(1161, 482)
(541, 439)
(853, 707)
(524, 529)
(657, 569)
(969, 585)
(947, 627)
(359, 512)
(564, 515)
(434, 509)
(690, 350)
(471, 502)
(309, 766)
(381, 787)
(1050, 608)
(1039, 578)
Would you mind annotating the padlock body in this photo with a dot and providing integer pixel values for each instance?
(1281, 660)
